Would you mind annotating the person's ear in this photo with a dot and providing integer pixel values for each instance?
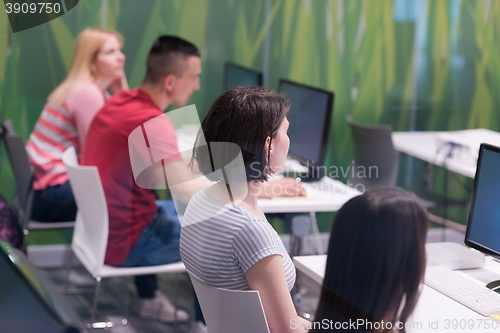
(169, 82)
(268, 149)
(266, 145)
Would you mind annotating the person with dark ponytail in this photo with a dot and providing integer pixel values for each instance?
(376, 263)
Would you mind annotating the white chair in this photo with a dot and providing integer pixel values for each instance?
(90, 236)
(229, 311)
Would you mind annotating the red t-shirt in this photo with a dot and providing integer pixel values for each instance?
(130, 207)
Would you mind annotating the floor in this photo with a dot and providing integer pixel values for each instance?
(118, 297)
(118, 300)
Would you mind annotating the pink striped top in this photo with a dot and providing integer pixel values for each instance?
(59, 127)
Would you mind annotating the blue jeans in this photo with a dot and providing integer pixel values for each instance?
(54, 204)
(157, 245)
(159, 241)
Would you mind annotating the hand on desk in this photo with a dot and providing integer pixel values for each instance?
(282, 187)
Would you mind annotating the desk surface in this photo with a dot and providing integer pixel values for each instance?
(326, 196)
(435, 311)
(424, 146)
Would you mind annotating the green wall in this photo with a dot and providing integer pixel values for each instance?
(416, 64)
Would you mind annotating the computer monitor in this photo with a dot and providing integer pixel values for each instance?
(29, 301)
(483, 226)
(310, 116)
(239, 76)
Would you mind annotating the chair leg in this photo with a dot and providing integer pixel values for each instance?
(127, 305)
(96, 296)
(69, 262)
(319, 245)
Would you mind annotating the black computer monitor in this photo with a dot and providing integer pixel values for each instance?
(29, 301)
(239, 76)
(483, 226)
(310, 117)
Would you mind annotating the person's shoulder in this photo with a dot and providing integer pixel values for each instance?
(247, 214)
(197, 200)
(134, 100)
(196, 204)
(86, 89)
(203, 208)
(122, 97)
(253, 224)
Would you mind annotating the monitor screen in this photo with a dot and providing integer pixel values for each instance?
(238, 76)
(309, 118)
(29, 301)
(483, 227)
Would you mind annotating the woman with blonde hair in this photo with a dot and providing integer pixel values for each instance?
(97, 66)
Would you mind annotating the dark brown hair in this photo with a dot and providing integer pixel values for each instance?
(376, 260)
(244, 117)
(166, 56)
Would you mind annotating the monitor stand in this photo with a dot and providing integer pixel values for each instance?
(314, 174)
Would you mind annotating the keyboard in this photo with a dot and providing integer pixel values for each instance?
(463, 290)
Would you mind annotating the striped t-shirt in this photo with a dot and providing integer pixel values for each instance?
(221, 242)
(58, 128)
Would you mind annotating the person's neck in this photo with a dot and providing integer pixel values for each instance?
(247, 193)
(157, 95)
(102, 83)
(254, 189)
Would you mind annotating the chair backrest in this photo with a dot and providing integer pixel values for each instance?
(8, 127)
(376, 161)
(90, 236)
(21, 167)
(229, 311)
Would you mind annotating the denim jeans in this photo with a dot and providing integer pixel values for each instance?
(54, 204)
(157, 245)
(159, 241)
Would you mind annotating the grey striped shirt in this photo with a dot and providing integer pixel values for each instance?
(221, 242)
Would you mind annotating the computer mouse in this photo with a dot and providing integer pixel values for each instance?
(494, 285)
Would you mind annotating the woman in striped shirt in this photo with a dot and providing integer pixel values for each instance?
(97, 66)
(226, 241)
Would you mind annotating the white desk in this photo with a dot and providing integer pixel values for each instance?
(433, 308)
(424, 145)
(327, 196)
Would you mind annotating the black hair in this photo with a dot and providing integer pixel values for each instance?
(243, 118)
(165, 58)
(376, 261)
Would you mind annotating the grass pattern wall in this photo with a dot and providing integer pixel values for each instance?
(421, 64)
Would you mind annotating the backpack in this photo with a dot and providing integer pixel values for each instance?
(10, 230)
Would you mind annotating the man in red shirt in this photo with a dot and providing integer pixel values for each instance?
(140, 233)
(143, 231)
